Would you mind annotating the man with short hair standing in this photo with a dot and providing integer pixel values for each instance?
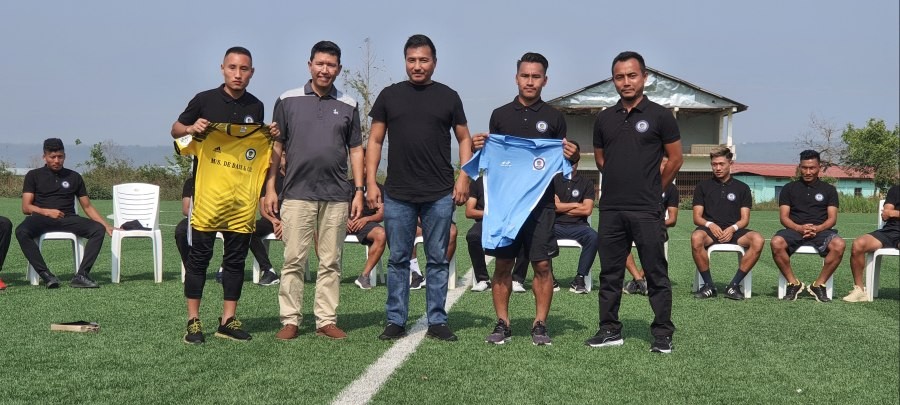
(417, 115)
(320, 129)
(722, 213)
(808, 210)
(630, 140)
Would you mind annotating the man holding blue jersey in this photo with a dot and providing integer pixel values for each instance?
(527, 116)
(630, 140)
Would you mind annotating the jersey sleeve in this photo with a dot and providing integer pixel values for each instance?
(28, 186)
(459, 114)
(784, 198)
(562, 130)
(191, 113)
(81, 190)
(833, 200)
(598, 133)
(668, 129)
(698, 195)
(379, 110)
(187, 190)
(279, 117)
(472, 167)
(355, 136)
(186, 146)
(893, 197)
(588, 190)
(671, 196)
(746, 197)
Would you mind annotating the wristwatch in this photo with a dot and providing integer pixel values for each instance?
(360, 188)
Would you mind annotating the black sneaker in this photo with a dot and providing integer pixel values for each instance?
(792, 291)
(661, 344)
(578, 286)
(642, 286)
(500, 335)
(232, 330)
(441, 332)
(539, 336)
(707, 291)
(631, 287)
(605, 338)
(820, 293)
(83, 281)
(733, 291)
(392, 332)
(269, 277)
(49, 279)
(555, 285)
(416, 282)
(194, 333)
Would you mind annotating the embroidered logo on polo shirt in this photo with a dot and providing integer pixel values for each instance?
(335, 111)
(541, 126)
(539, 163)
(819, 197)
(576, 193)
(65, 184)
(506, 163)
(250, 154)
(248, 119)
(730, 196)
(642, 126)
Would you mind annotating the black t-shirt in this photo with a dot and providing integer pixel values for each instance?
(54, 190)
(633, 147)
(476, 191)
(575, 190)
(187, 190)
(670, 196)
(418, 120)
(536, 121)
(809, 202)
(722, 202)
(893, 197)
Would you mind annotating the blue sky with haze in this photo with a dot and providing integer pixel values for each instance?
(119, 70)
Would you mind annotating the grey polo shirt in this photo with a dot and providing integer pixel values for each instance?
(317, 134)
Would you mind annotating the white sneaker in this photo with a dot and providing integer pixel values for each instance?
(857, 295)
(481, 286)
(518, 287)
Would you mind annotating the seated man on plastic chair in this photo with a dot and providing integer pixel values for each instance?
(574, 203)
(475, 211)
(886, 237)
(5, 236)
(368, 230)
(722, 212)
(670, 200)
(808, 210)
(48, 200)
(417, 280)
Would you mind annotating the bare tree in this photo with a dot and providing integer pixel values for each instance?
(824, 137)
(365, 84)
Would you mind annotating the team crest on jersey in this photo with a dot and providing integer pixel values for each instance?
(538, 163)
(642, 126)
(250, 154)
(575, 193)
(248, 119)
(65, 184)
(819, 197)
(731, 196)
(541, 126)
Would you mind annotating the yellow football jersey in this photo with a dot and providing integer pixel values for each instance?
(232, 160)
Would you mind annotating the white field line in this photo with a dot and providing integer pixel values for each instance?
(367, 385)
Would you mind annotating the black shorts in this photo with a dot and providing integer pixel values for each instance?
(536, 237)
(363, 233)
(734, 238)
(889, 238)
(795, 240)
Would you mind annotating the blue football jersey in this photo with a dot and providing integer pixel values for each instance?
(517, 172)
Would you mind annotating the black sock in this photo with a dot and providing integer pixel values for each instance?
(738, 277)
(707, 277)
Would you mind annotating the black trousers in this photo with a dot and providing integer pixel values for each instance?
(236, 245)
(263, 228)
(616, 231)
(5, 236)
(36, 225)
(476, 253)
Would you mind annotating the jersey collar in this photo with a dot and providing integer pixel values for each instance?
(536, 106)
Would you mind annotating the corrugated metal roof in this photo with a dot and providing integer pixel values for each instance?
(789, 170)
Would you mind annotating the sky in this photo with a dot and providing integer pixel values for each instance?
(124, 71)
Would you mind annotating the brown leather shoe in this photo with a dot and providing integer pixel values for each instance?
(331, 331)
(288, 332)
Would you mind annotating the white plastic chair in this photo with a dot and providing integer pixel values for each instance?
(77, 248)
(782, 282)
(140, 202)
(373, 275)
(451, 277)
(746, 283)
(873, 260)
(256, 269)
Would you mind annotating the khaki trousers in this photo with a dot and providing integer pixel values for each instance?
(301, 220)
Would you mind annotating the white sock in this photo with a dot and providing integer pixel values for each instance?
(414, 266)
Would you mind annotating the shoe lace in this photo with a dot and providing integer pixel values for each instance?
(233, 325)
(195, 327)
(501, 327)
(539, 329)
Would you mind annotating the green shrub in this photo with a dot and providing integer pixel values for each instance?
(847, 203)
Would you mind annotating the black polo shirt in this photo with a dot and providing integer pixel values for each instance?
(670, 196)
(809, 202)
(536, 121)
(722, 202)
(575, 190)
(215, 105)
(317, 133)
(418, 119)
(893, 197)
(476, 191)
(54, 190)
(633, 147)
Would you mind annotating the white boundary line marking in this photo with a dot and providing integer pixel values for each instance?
(361, 390)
